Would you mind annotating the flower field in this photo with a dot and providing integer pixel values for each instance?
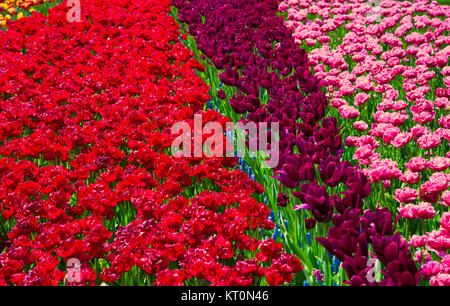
(95, 95)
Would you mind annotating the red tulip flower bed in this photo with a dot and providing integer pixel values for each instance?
(85, 164)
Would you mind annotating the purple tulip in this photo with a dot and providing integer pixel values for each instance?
(315, 198)
(330, 171)
(282, 200)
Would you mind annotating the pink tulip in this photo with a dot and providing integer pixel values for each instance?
(445, 221)
(410, 177)
(401, 140)
(361, 98)
(418, 241)
(360, 125)
(422, 256)
(421, 211)
(438, 163)
(348, 112)
(406, 195)
(431, 268)
(445, 197)
(417, 164)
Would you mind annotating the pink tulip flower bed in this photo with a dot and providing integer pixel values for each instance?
(385, 67)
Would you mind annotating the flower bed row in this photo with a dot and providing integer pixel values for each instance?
(386, 72)
(86, 171)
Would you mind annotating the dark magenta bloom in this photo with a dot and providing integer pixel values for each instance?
(282, 200)
(316, 199)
